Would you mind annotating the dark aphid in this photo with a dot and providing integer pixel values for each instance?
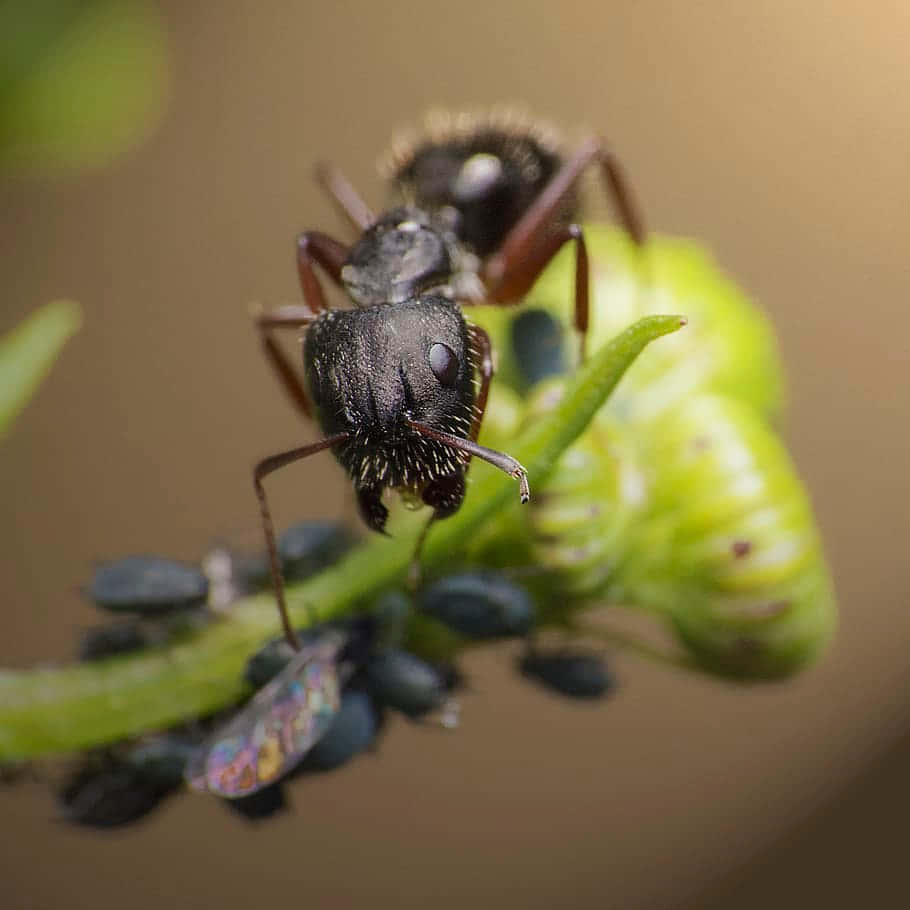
(161, 759)
(479, 604)
(537, 343)
(270, 660)
(354, 729)
(278, 726)
(571, 673)
(110, 640)
(260, 805)
(509, 190)
(403, 681)
(309, 546)
(108, 791)
(148, 585)
(391, 612)
(108, 798)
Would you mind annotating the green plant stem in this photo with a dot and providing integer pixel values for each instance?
(61, 710)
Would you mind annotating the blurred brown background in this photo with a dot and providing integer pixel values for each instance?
(776, 133)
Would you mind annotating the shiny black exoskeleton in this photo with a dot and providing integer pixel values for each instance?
(403, 252)
(369, 372)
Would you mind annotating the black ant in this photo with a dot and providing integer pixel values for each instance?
(391, 381)
(509, 191)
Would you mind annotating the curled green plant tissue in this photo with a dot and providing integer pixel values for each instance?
(699, 517)
(27, 353)
(727, 547)
(679, 498)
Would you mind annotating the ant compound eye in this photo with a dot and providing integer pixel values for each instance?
(443, 363)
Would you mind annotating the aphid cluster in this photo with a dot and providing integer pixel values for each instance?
(314, 709)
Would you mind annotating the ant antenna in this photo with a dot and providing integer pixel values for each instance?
(499, 460)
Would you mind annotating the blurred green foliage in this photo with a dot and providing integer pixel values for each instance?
(81, 81)
(27, 353)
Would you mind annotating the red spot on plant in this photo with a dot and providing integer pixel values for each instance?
(741, 548)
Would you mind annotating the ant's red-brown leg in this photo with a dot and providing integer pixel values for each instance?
(532, 242)
(621, 190)
(506, 270)
(296, 317)
(341, 191)
(262, 470)
(480, 344)
(539, 257)
(582, 289)
(316, 247)
(312, 247)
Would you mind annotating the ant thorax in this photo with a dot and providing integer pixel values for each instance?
(407, 252)
(372, 369)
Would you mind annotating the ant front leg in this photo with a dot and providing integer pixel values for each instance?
(312, 247)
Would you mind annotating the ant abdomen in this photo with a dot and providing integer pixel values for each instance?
(486, 169)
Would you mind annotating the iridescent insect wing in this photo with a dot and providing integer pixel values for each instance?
(273, 732)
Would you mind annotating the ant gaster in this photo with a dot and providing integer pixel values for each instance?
(509, 191)
(390, 381)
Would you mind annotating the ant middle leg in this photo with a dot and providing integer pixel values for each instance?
(537, 258)
(532, 241)
(506, 266)
(312, 247)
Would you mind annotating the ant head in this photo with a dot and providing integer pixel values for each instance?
(486, 170)
(370, 370)
(400, 255)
